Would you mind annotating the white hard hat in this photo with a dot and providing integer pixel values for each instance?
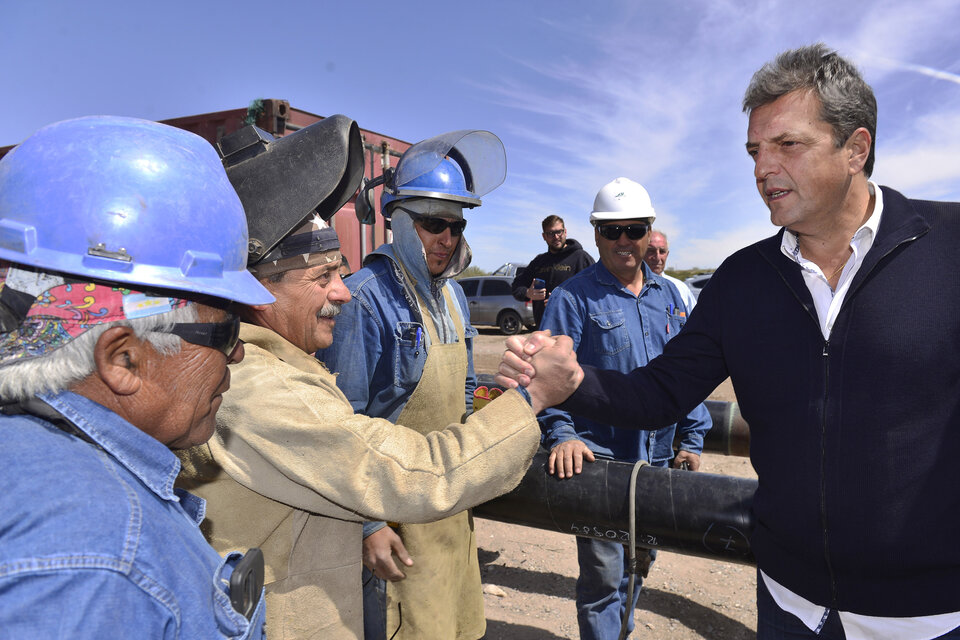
(622, 199)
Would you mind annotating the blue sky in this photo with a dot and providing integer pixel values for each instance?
(579, 92)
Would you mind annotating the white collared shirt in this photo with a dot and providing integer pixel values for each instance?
(828, 302)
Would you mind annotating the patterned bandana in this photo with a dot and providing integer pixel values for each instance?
(62, 310)
(311, 244)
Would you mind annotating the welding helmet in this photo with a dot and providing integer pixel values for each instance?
(283, 182)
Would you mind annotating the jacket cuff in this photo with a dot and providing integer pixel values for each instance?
(372, 527)
(526, 395)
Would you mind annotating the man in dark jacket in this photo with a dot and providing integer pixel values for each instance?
(563, 259)
(840, 335)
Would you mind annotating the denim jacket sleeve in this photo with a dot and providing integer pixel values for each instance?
(355, 352)
(695, 425)
(692, 429)
(372, 527)
(562, 317)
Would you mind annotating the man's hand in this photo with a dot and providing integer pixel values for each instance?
(536, 294)
(567, 458)
(548, 368)
(378, 550)
(692, 460)
(515, 368)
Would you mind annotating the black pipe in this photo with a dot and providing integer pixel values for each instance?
(730, 434)
(692, 513)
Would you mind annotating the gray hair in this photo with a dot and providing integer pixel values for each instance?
(73, 362)
(846, 101)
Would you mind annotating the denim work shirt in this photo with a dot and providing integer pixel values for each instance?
(94, 540)
(379, 343)
(612, 328)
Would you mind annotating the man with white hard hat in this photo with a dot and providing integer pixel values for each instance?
(619, 314)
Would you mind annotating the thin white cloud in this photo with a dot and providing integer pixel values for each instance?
(924, 160)
(939, 74)
(656, 98)
(899, 31)
(710, 252)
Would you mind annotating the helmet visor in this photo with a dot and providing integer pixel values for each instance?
(479, 154)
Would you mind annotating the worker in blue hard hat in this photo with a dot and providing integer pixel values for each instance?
(123, 249)
(403, 351)
(291, 468)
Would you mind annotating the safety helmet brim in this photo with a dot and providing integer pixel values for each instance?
(606, 216)
(439, 195)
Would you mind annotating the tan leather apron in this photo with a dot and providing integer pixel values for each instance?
(441, 597)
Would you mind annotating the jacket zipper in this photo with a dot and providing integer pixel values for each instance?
(823, 430)
(823, 474)
(825, 353)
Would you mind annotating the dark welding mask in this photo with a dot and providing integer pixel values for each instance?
(284, 181)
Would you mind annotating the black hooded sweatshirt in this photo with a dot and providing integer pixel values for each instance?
(552, 268)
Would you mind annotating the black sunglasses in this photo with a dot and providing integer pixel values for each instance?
(437, 226)
(222, 336)
(613, 231)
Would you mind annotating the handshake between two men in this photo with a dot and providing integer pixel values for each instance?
(545, 365)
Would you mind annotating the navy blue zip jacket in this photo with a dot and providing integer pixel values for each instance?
(855, 440)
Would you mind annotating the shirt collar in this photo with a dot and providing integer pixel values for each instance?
(144, 456)
(861, 241)
(604, 276)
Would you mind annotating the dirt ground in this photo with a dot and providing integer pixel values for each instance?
(529, 574)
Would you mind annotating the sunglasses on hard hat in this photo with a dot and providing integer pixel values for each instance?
(614, 231)
(222, 336)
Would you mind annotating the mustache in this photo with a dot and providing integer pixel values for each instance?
(330, 310)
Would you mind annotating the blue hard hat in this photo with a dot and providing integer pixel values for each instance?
(445, 182)
(461, 166)
(127, 201)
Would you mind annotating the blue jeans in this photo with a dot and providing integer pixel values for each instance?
(602, 589)
(773, 623)
(374, 606)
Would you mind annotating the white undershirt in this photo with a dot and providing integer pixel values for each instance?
(828, 303)
(827, 300)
